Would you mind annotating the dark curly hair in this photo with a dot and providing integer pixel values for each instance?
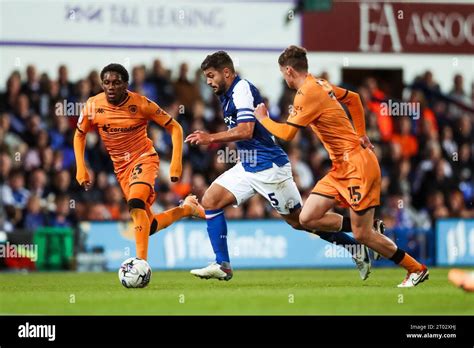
(117, 68)
(218, 60)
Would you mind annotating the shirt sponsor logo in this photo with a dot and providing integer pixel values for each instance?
(108, 129)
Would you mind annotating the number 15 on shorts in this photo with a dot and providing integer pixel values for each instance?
(354, 194)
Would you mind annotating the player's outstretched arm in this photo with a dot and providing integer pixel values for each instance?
(176, 132)
(284, 131)
(82, 176)
(154, 113)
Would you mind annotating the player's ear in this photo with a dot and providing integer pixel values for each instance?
(226, 72)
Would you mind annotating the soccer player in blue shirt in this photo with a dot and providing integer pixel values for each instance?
(264, 169)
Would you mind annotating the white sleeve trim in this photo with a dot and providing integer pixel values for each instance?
(242, 96)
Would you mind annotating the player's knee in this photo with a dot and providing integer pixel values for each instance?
(135, 203)
(304, 220)
(360, 235)
(209, 202)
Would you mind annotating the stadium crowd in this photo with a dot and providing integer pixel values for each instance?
(426, 158)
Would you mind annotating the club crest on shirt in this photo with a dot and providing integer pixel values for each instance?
(132, 109)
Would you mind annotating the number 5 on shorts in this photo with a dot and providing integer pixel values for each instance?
(273, 200)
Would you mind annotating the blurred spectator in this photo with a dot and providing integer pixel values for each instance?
(113, 199)
(398, 213)
(426, 123)
(302, 172)
(34, 217)
(187, 93)
(60, 133)
(374, 104)
(95, 83)
(20, 115)
(5, 166)
(13, 90)
(159, 77)
(141, 86)
(19, 193)
(97, 212)
(83, 90)
(450, 147)
(11, 141)
(407, 141)
(38, 183)
(61, 216)
(437, 179)
(458, 206)
(431, 85)
(61, 183)
(436, 206)
(464, 132)
(31, 88)
(66, 88)
(464, 166)
(459, 94)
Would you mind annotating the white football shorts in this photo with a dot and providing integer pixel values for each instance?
(275, 184)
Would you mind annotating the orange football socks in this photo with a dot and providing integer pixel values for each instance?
(142, 231)
(406, 261)
(410, 264)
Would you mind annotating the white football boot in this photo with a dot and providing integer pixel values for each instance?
(362, 261)
(214, 271)
(413, 279)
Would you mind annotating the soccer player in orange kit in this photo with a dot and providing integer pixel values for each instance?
(354, 180)
(121, 118)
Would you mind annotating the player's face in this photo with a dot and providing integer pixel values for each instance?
(215, 79)
(286, 72)
(114, 87)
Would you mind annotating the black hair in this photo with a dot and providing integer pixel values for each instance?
(218, 60)
(117, 68)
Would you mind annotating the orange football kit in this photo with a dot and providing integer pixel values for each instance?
(123, 129)
(354, 180)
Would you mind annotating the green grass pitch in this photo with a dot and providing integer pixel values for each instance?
(251, 292)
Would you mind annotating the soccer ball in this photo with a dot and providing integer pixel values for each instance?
(134, 273)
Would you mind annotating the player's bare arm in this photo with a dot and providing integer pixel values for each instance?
(243, 131)
(176, 167)
(82, 175)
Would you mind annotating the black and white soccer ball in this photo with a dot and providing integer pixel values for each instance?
(134, 273)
